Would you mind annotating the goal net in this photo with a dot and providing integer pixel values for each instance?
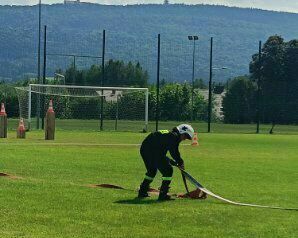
(85, 107)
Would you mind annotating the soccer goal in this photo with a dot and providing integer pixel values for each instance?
(85, 107)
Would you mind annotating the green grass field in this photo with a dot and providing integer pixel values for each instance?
(137, 126)
(50, 196)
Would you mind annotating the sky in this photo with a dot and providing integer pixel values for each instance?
(276, 5)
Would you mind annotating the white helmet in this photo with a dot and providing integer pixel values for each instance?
(186, 129)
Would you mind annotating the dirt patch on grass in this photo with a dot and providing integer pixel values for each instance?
(196, 194)
(153, 191)
(9, 176)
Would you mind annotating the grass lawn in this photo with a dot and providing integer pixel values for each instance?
(137, 126)
(50, 196)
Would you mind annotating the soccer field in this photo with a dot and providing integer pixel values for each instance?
(138, 126)
(49, 193)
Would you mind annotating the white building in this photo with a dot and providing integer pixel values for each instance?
(71, 1)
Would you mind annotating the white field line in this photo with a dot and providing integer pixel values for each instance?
(72, 144)
(67, 144)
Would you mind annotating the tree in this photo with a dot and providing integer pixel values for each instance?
(93, 76)
(277, 79)
(117, 73)
(239, 101)
(174, 102)
(200, 108)
(163, 82)
(291, 72)
(70, 76)
(199, 83)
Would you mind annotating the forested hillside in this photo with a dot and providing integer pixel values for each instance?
(131, 35)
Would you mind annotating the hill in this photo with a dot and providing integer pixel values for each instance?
(132, 35)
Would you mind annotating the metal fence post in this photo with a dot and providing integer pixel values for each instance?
(102, 77)
(157, 83)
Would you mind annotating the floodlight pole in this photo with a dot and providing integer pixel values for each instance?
(193, 79)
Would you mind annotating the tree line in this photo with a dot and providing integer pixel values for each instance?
(272, 86)
(116, 73)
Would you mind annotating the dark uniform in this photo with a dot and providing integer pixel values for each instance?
(153, 151)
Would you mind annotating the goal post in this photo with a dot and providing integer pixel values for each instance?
(79, 107)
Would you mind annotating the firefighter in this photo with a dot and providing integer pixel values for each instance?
(154, 150)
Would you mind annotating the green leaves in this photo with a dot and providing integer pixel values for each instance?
(278, 79)
(239, 101)
(117, 73)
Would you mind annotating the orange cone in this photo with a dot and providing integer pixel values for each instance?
(50, 109)
(21, 131)
(3, 112)
(195, 140)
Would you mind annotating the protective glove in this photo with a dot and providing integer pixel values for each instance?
(173, 163)
(180, 165)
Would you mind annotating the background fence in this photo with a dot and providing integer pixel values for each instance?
(76, 57)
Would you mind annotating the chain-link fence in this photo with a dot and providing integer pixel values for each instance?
(266, 93)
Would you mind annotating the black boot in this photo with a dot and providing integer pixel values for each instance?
(144, 187)
(163, 194)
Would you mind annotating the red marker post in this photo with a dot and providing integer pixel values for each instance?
(50, 123)
(3, 122)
